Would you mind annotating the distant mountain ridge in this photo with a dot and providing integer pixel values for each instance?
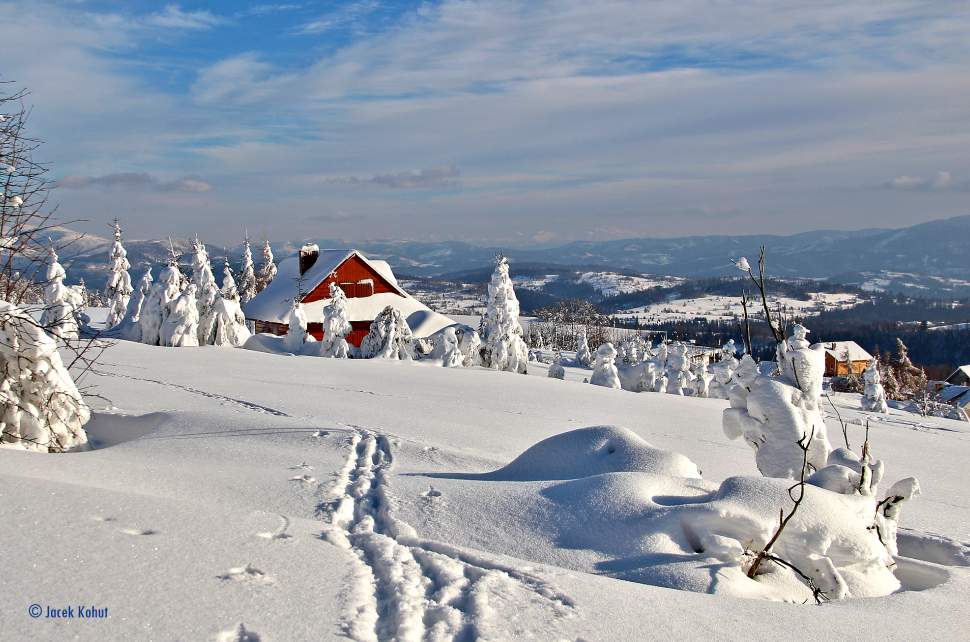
(930, 258)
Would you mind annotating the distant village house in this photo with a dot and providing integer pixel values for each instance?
(845, 357)
(369, 284)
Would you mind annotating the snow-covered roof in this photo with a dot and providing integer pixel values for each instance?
(958, 394)
(962, 370)
(273, 304)
(838, 349)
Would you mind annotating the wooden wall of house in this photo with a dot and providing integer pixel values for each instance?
(348, 276)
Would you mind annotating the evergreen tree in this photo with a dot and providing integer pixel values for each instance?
(247, 275)
(118, 290)
(336, 325)
(504, 348)
(205, 286)
(267, 271)
(60, 312)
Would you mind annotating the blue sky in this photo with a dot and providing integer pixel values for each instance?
(497, 122)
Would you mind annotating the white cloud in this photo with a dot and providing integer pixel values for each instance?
(939, 182)
(173, 17)
(134, 181)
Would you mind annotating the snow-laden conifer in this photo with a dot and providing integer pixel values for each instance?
(156, 308)
(42, 409)
(503, 348)
(206, 288)
(181, 326)
(61, 302)
(447, 350)
(389, 337)
(296, 334)
(556, 369)
(118, 289)
(247, 275)
(130, 328)
(267, 271)
(225, 324)
(336, 325)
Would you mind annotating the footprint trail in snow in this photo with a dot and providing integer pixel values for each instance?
(405, 587)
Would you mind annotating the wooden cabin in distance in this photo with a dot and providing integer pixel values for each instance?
(369, 284)
(845, 357)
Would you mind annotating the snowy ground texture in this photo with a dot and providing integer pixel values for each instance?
(725, 308)
(236, 495)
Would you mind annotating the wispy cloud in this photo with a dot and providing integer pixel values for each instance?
(433, 177)
(174, 17)
(941, 181)
(135, 181)
(351, 14)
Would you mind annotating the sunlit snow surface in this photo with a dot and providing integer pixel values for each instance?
(310, 499)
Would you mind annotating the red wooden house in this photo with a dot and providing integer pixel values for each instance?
(370, 286)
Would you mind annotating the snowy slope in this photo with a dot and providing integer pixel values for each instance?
(726, 308)
(314, 499)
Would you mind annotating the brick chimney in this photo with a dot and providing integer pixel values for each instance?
(309, 254)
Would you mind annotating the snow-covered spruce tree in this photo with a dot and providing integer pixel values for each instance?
(118, 289)
(556, 370)
(503, 347)
(389, 337)
(61, 302)
(874, 396)
(659, 363)
(42, 409)
(225, 324)
(447, 350)
(678, 369)
(336, 325)
(247, 275)
(267, 271)
(156, 308)
(130, 328)
(205, 286)
(181, 326)
(296, 334)
(584, 358)
(604, 367)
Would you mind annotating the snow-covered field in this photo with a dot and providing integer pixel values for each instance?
(313, 499)
(613, 284)
(725, 308)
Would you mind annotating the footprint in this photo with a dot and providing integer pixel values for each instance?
(321, 433)
(280, 532)
(102, 518)
(305, 479)
(138, 531)
(238, 633)
(301, 466)
(431, 493)
(248, 573)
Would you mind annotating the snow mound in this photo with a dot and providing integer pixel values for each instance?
(593, 451)
(106, 430)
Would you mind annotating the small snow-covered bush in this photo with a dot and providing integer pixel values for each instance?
(42, 408)
(470, 345)
(604, 367)
(296, 334)
(874, 396)
(556, 369)
(702, 377)
(678, 369)
(584, 358)
(447, 350)
(389, 337)
(723, 370)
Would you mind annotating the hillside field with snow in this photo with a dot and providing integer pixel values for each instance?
(726, 308)
(237, 495)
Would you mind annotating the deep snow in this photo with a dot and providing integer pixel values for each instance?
(313, 498)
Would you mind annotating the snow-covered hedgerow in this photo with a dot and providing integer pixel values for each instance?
(336, 325)
(503, 347)
(42, 408)
(389, 337)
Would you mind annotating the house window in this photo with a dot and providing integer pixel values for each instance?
(362, 288)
